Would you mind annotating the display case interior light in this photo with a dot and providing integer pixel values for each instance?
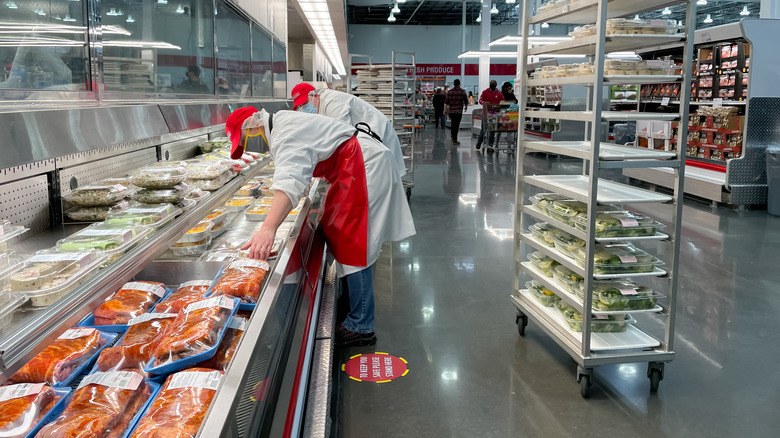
(130, 19)
(110, 29)
(318, 16)
(38, 41)
(666, 11)
(480, 54)
(141, 44)
(744, 11)
(162, 2)
(11, 5)
(179, 10)
(114, 13)
(396, 9)
(545, 25)
(510, 2)
(8, 28)
(336, 77)
(479, 18)
(708, 19)
(701, 2)
(494, 9)
(391, 18)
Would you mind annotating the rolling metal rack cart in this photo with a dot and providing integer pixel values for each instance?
(591, 348)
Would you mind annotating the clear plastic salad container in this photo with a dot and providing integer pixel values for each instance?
(96, 195)
(543, 262)
(542, 200)
(565, 210)
(566, 243)
(95, 214)
(197, 194)
(238, 203)
(113, 242)
(568, 279)
(112, 180)
(174, 195)
(545, 296)
(160, 176)
(621, 295)
(543, 232)
(8, 304)
(154, 215)
(617, 323)
(191, 248)
(620, 224)
(210, 184)
(618, 259)
(583, 31)
(9, 231)
(207, 170)
(48, 276)
(198, 233)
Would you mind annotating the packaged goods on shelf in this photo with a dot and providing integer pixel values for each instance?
(154, 215)
(602, 324)
(543, 231)
(181, 405)
(251, 189)
(94, 214)
(104, 404)
(9, 303)
(217, 216)
(257, 212)
(620, 224)
(543, 263)
(238, 203)
(186, 294)
(568, 279)
(8, 232)
(211, 146)
(228, 346)
(623, 67)
(621, 295)
(135, 347)
(48, 276)
(113, 242)
(189, 249)
(618, 259)
(205, 170)
(583, 31)
(545, 296)
(25, 408)
(173, 195)
(242, 279)
(98, 195)
(626, 26)
(160, 176)
(199, 232)
(62, 360)
(197, 194)
(131, 300)
(565, 210)
(543, 200)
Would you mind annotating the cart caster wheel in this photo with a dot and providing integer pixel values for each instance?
(408, 194)
(655, 379)
(585, 386)
(522, 323)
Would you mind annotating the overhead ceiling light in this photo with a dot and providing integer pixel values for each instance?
(701, 2)
(744, 11)
(317, 13)
(494, 9)
(130, 19)
(396, 9)
(162, 2)
(636, 17)
(666, 11)
(40, 12)
(179, 10)
(68, 18)
(708, 19)
(483, 53)
(401, 1)
(11, 5)
(545, 25)
(479, 18)
(58, 18)
(336, 77)
(391, 18)
(510, 2)
(114, 13)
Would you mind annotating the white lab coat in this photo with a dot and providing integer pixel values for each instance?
(352, 110)
(299, 141)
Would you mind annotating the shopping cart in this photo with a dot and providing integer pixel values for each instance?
(502, 119)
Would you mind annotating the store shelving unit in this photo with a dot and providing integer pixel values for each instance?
(386, 87)
(587, 348)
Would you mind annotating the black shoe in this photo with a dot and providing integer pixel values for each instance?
(479, 145)
(346, 338)
(454, 141)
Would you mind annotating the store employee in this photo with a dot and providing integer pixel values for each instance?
(365, 206)
(350, 110)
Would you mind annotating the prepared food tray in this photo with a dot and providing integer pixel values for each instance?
(48, 276)
(543, 200)
(26, 407)
(618, 259)
(235, 166)
(197, 194)
(114, 242)
(543, 232)
(545, 296)
(238, 203)
(133, 299)
(250, 189)
(189, 249)
(210, 184)
(566, 243)
(621, 295)
(627, 26)
(218, 229)
(565, 210)
(543, 262)
(198, 233)
(617, 323)
(97, 195)
(160, 176)
(620, 224)
(257, 212)
(173, 195)
(568, 280)
(95, 214)
(154, 215)
(217, 216)
(8, 231)
(206, 170)
(229, 345)
(210, 146)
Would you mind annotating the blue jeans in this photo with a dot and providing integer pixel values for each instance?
(361, 302)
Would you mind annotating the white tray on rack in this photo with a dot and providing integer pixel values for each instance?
(607, 151)
(576, 186)
(631, 339)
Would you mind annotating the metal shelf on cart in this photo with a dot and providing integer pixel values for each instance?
(614, 43)
(608, 80)
(586, 116)
(531, 210)
(607, 151)
(609, 192)
(586, 11)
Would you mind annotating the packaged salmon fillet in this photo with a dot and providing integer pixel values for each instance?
(133, 299)
(242, 279)
(136, 346)
(186, 294)
(180, 407)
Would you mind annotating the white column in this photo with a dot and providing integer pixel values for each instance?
(770, 9)
(484, 41)
(463, 45)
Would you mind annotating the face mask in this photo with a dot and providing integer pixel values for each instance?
(308, 107)
(493, 87)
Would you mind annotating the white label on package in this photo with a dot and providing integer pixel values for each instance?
(657, 63)
(147, 210)
(196, 379)
(120, 187)
(626, 258)
(665, 101)
(80, 258)
(250, 264)
(20, 390)
(76, 333)
(601, 316)
(150, 316)
(114, 379)
(225, 302)
(238, 323)
(628, 222)
(146, 287)
(126, 234)
(195, 283)
(658, 22)
(629, 291)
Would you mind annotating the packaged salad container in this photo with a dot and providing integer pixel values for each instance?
(160, 176)
(97, 195)
(197, 194)
(617, 323)
(210, 184)
(47, 276)
(621, 295)
(543, 262)
(545, 296)
(207, 170)
(542, 200)
(154, 215)
(173, 195)
(543, 232)
(566, 243)
(568, 279)
(620, 224)
(565, 210)
(113, 242)
(618, 259)
(95, 214)
(8, 232)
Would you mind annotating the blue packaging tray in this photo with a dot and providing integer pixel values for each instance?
(134, 422)
(54, 412)
(194, 359)
(109, 337)
(89, 321)
(95, 368)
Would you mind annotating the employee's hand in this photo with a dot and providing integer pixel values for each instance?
(260, 245)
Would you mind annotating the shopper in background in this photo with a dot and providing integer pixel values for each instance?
(365, 205)
(509, 97)
(438, 107)
(455, 105)
(471, 98)
(193, 83)
(350, 110)
(491, 96)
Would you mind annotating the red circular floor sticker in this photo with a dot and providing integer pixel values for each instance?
(377, 367)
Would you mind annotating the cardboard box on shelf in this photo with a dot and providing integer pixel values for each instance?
(644, 128)
(661, 130)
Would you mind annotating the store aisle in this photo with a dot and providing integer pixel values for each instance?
(442, 304)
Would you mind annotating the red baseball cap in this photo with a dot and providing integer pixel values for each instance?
(233, 129)
(300, 94)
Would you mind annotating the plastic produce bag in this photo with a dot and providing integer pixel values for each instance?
(242, 279)
(160, 176)
(103, 406)
(228, 346)
(22, 406)
(136, 347)
(133, 299)
(59, 360)
(180, 407)
(186, 294)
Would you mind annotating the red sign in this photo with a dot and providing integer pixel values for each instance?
(377, 367)
(454, 69)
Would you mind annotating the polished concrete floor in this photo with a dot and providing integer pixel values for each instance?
(442, 303)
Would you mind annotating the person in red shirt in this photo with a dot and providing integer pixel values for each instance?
(491, 95)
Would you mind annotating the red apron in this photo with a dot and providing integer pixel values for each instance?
(345, 216)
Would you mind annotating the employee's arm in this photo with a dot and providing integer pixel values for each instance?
(262, 242)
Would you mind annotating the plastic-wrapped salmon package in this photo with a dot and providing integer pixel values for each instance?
(194, 335)
(242, 279)
(133, 299)
(59, 360)
(103, 406)
(186, 294)
(136, 346)
(228, 346)
(22, 407)
(180, 407)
